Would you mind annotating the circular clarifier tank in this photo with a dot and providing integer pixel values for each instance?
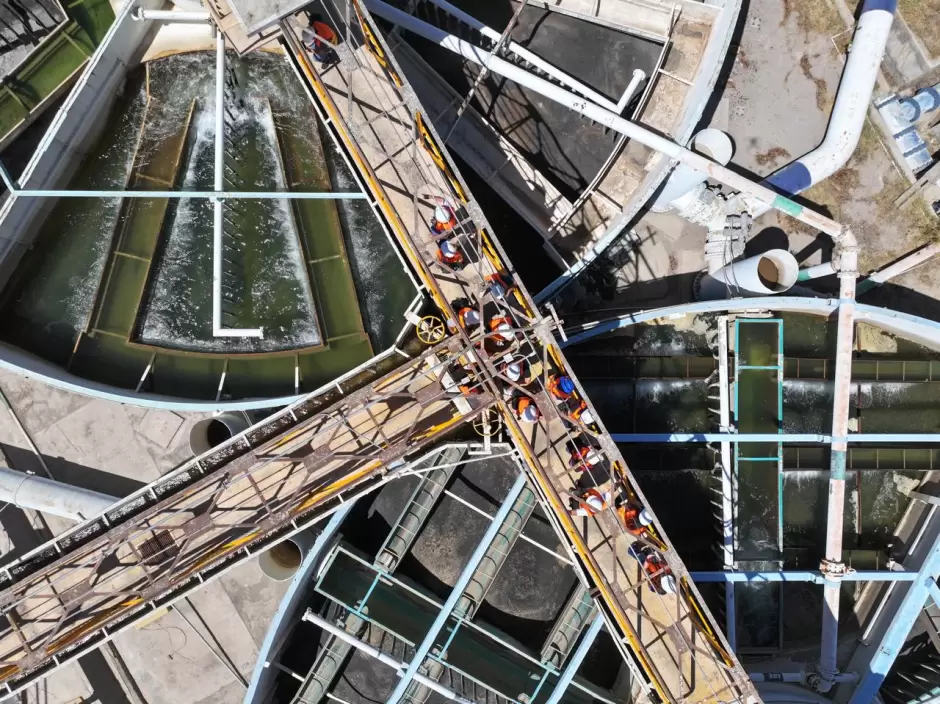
(118, 295)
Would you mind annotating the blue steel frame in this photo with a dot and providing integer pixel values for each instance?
(737, 385)
(921, 588)
(360, 610)
(778, 368)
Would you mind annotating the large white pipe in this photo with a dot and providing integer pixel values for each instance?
(851, 106)
(774, 271)
(714, 144)
(171, 15)
(49, 496)
(758, 192)
(217, 329)
(535, 59)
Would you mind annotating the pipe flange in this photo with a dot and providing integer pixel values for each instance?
(832, 570)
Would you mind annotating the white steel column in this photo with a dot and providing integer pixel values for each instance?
(217, 329)
(832, 566)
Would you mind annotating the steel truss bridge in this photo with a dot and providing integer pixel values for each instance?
(306, 461)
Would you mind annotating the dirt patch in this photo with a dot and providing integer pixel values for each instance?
(770, 157)
(822, 89)
(814, 16)
(921, 17)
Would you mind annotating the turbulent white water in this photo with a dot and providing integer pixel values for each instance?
(265, 282)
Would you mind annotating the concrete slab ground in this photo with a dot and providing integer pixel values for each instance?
(779, 95)
(115, 449)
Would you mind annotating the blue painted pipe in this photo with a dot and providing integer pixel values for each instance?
(851, 107)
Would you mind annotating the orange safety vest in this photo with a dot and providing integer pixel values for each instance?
(554, 387)
(592, 493)
(455, 258)
(575, 413)
(523, 403)
(631, 519)
(655, 567)
(496, 322)
(325, 31)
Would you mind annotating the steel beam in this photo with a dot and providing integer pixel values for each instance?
(382, 657)
(564, 680)
(802, 576)
(456, 593)
(899, 627)
(809, 438)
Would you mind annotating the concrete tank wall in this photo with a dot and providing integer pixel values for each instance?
(75, 127)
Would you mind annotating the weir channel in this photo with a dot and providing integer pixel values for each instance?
(660, 378)
(120, 292)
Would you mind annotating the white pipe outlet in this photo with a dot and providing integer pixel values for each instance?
(281, 561)
(49, 496)
(684, 179)
(211, 432)
(772, 272)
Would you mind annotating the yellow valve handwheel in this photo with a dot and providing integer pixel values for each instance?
(488, 423)
(431, 330)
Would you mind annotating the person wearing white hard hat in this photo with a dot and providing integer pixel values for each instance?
(501, 327)
(635, 519)
(516, 369)
(449, 255)
(525, 409)
(444, 219)
(661, 579)
(579, 412)
(468, 317)
(591, 502)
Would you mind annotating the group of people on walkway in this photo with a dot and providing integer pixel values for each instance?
(501, 337)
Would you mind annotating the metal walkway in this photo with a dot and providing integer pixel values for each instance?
(299, 465)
